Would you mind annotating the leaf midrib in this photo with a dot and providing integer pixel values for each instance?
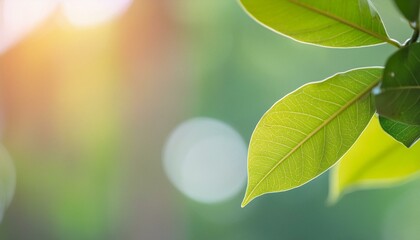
(326, 122)
(344, 21)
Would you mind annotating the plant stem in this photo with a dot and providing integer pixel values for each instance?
(415, 26)
(415, 36)
(394, 43)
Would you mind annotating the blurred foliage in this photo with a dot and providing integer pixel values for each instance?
(386, 164)
(87, 112)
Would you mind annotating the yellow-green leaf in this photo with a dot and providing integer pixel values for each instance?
(376, 160)
(331, 23)
(307, 131)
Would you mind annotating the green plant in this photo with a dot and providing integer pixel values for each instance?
(311, 129)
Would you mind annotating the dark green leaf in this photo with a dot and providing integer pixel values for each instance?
(409, 8)
(331, 23)
(399, 98)
(404, 133)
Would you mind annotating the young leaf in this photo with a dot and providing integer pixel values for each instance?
(409, 8)
(331, 23)
(404, 133)
(307, 131)
(7, 180)
(399, 98)
(375, 160)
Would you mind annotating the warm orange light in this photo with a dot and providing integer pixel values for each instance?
(19, 17)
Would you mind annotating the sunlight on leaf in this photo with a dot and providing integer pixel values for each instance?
(331, 23)
(309, 130)
(376, 160)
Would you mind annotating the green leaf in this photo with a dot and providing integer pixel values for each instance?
(404, 133)
(376, 160)
(409, 8)
(330, 23)
(307, 131)
(7, 180)
(399, 98)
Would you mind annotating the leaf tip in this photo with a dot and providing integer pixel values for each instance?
(247, 199)
(249, 196)
(411, 144)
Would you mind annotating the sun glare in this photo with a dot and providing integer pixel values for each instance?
(88, 13)
(19, 17)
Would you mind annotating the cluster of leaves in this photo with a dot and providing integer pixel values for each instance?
(308, 131)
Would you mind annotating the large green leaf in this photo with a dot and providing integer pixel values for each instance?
(399, 98)
(307, 131)
(409, 8)
(7, 180)
(376, 160)
(404, 133)
(331, 23)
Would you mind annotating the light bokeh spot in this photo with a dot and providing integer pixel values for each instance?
(206, 160)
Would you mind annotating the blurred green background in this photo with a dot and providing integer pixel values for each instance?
(89, 99)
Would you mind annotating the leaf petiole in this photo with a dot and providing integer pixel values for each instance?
(394, 43)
